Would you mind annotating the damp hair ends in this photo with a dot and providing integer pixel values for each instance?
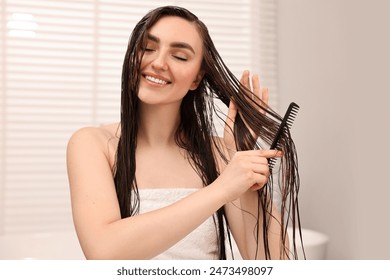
(220, 83)
(196, 129)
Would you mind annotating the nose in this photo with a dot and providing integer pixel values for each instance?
(160, 62)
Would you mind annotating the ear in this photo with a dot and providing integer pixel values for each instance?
(197, 81)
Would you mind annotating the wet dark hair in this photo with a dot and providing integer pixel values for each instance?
(196, 129)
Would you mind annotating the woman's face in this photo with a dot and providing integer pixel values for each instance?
(171, 63)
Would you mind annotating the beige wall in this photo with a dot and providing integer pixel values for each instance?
(335, 63)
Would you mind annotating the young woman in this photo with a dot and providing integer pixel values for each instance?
(159, 184)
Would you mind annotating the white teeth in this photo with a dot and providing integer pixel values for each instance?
(155, 80)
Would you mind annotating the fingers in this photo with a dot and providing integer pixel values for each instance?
(257, 187)
(256, 86)
(247, 87)
(245, 79)
(256, 162)
(232, 113)
(247, 170)
(260, 168)
(264, 95)
(261, 175)
(254, 97)
(264, 99)
(258, 93)
(262, 153)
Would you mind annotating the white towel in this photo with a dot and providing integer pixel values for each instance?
(200, 244)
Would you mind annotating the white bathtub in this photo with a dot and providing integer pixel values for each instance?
(41, 246)
(314, 242)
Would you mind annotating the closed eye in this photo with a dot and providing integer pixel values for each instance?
(180, 58)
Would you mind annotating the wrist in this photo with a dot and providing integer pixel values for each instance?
(219, 193)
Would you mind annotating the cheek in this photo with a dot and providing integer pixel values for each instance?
(189, 75)
(144, 62)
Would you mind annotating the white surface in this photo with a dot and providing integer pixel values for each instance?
(65, 246)
(41, 246)
(314, 243)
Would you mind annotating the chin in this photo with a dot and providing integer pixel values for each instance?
(151, 97)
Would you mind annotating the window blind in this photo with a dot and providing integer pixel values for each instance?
(60, 69)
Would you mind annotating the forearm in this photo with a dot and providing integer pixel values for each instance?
(147, 235)
(251, 216)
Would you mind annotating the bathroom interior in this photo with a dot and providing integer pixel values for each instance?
(60, 67)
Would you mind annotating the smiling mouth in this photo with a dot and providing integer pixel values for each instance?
(156, 80)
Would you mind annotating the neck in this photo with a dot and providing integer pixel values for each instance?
(158, 124)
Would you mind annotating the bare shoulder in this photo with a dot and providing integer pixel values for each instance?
(102, 139)
(95, 135)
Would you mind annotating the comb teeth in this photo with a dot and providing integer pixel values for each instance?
(272, 162)
(293, 113)
(285, 125)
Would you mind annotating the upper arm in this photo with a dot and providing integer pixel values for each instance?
(93, 195)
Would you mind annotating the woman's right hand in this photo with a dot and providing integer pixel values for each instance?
(246, 170)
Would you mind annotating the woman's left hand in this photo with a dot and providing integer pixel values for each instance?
(258, 93)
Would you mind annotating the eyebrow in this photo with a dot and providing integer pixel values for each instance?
(181, 45)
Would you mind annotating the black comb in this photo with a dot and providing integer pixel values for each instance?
(286, 124)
